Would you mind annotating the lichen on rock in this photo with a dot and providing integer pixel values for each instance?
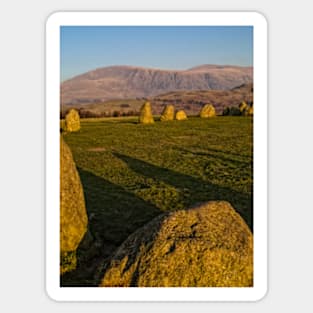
(73, 215)
(243, 106)
(168, 113)
(207, 111)
(206, 246)
(181, 115)
(146, 116)
(72, 121)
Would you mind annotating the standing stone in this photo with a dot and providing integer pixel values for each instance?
(146, 116)
(72, 121)
(181, 115)
(250, 110)
(206, 246)
(168, 113)
(243, 106)
(73, 215)
(207, 111)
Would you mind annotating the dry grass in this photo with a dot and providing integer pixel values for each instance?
(97, 149)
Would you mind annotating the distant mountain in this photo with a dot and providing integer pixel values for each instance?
(129, 82)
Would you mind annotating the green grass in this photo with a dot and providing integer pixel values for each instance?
(133, 172)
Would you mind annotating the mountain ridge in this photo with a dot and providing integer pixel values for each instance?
(125, 81)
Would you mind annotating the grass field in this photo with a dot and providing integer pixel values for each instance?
(132, 172)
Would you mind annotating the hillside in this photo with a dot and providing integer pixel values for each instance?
(189, 101)
(192, 101)
(129, 82)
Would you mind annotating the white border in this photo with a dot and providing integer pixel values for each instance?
(53, 168)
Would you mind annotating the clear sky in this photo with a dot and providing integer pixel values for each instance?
(84, 48)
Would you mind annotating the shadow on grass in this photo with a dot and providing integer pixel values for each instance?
(113, 214)
(217, 155)
(194, 189)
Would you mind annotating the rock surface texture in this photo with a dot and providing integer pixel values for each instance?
(180, 115)
(72, 121)
(206, 246)
(146, 116)
(168, 113)
(73, 215)
(207, 111)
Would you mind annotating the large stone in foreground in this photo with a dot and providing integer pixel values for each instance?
(207, 111)
(146, 116)
(73, 215)
(206, 246)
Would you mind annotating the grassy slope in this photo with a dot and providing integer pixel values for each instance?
(132, 172)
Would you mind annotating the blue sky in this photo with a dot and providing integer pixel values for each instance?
(85, 48)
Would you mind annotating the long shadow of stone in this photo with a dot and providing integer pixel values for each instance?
(194, 189)
(228, 153)
(217, 154)
(113, 214)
